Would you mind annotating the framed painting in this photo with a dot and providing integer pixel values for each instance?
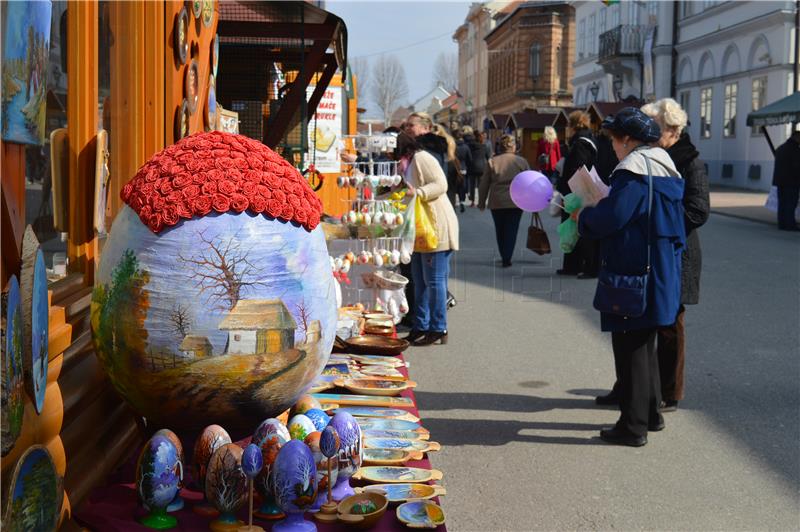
(26, 53)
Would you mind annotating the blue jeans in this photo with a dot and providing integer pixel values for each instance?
(430, 272)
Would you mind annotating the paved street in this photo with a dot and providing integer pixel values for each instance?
(510, 397)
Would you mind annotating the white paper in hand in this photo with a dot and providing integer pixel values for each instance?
(587, 186)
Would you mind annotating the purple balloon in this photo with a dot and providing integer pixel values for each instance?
(531, 191)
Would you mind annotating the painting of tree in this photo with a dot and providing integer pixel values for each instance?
(180, 319)
(13, 405)
(222, 271)
(303, 316)
(226, 483)
(118, 313)
(35, 493)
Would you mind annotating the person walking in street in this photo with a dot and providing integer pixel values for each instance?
(430, 269)
(452, 165)
(786, 177)
(479, 159)
(464, 156)
(582, 152)
(495, 190)
(641, 232)
(549, 152)
(483, 137)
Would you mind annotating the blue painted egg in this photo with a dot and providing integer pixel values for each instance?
(295, 477)
(350, 443)
(252, 461)
(158, 472)
(300, 426)
(319, 418)
(329, 441)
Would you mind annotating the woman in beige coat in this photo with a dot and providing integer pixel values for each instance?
(495, 185)
(430, 269)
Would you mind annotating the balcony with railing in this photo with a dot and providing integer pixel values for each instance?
(621, 42)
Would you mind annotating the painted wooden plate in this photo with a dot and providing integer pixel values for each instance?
(35, 318)
(391, 413)
(380, 387)
(181, 31)
(13, 408)
(36, 492)
(380, 371)
(420, 514)
(215, 56)
(388, 456)
(338, 369)
(396, 434)
(397, 474)
(368, 423)
(197, 8)
(401, 444)
(404, 492)
(191, 85)
(377, 360)
(364, 400)
(320, 385)
(208, 13)
(211, 104)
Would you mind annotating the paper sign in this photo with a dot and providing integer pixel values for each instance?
(588, 186)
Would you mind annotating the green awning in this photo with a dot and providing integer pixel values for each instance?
(784, 111)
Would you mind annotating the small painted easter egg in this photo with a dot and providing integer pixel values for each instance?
(300, 426)
(252, 461)
(318, 417)
(304, 404)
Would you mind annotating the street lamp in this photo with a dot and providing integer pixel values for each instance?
(618, 86)
(594, 89)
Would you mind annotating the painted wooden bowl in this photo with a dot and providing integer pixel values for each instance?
(397, 474)
(370, 423)
(407, 491)
(420, 514)
(388, 456)
(376, 345)
(376, 412)
(351, 510)
(365, 400)
(382, 387)
(380, 371)
(212, 438)
(396, 434)
(403, 445)
(377, 360)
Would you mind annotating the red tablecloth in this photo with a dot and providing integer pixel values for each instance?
(115, 507)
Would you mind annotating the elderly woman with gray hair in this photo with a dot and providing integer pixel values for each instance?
(495, 190)
(672, 120)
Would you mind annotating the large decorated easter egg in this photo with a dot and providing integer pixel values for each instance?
(214, 299)
(295, 477)
(226, 483)
(212, 438)
(158, 472)
(350, 443)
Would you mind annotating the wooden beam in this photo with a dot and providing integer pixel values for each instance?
(319, 90)
(297, 93)
(82, 98)
(276, 30)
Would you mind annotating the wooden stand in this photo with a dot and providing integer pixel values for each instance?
(327, 512)
(250, 527)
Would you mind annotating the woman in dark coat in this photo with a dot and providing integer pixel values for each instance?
(582, 152)
(635, 240)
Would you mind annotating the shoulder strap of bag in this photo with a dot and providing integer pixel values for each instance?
(536, 220)
(590, 141)
(649, 206)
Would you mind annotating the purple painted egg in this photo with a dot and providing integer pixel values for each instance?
(295, 477)
(313, 442)
(329, 441)
(300, 427)
(252, 461)
(318, 417)
(212, 438)
(158, 472)
(268, 428)
(350, 443)
(226, 483)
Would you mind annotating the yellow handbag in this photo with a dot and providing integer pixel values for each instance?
(425, 227)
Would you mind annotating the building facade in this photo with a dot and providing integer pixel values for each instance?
(531, 53)
(730, 58)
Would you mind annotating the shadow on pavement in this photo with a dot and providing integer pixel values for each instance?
(498, 402)
(454, 432)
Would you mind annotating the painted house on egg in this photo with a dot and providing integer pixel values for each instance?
(258, 327)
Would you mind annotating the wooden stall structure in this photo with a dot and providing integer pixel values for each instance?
(132, 69)
(529, 127)
(599, 110)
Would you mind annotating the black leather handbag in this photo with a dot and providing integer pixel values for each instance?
(626, 295)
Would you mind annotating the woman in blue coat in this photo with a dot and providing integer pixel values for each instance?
(623, 226)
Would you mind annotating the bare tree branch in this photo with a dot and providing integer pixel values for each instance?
(445, 71)
(222, 271)
(180, 319)
(359, 66)
(389, 86)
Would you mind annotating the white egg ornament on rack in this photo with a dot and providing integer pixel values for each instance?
(394, 258)
(367, 219)
(363, 258)
(405, 257)
(399, 219)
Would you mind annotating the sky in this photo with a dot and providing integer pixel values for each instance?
(383, 26)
